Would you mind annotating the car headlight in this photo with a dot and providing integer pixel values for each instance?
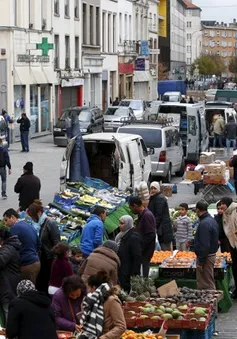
(83, 130)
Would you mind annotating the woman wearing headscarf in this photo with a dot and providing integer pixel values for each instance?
(102, 315)
(102, 258)
(230, 228)
(30, 314)
(158, 205)
(129, 252)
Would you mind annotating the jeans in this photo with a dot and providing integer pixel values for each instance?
(3, 175)
(147, 254)
(25, 141)
(219, 137)
(228, 144)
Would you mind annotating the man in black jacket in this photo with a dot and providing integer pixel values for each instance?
(223, 240)
(230, 133)
(24, 129)
(158, 205)
(205, 247)
(4, 161)
(28, 186)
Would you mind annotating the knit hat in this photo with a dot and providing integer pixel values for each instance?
(128, 222)
(156, 185)
(28, 166)
(111, 244)
(25, 286)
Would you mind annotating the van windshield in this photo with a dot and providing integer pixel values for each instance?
(151, 137)
(171, 98)
(85, 116)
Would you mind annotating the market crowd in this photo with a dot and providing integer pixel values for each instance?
(48, 286)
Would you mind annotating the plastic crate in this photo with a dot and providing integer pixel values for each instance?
(96, 183)
(64, 201)
(198, 334)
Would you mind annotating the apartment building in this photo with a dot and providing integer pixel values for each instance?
(109, 49)
(220, 39)
(68, 54)
(193, 32)
(26, 62)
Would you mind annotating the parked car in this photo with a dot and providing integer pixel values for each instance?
(122, 160)
(114, 121)
(138, 106)
(167, 157)
(210, 94)
(172, 96)
(91, 120)
(152, 112)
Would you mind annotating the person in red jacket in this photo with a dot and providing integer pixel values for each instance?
(61, 267)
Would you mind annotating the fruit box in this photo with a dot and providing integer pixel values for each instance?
(213, 179)
(193, 175)
(193, 322)
(207, 157)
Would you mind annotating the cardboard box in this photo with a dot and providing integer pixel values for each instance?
(212, 179)
(215, 169)
(207, 157)
(193, 175)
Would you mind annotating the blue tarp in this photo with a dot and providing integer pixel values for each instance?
(79, 166)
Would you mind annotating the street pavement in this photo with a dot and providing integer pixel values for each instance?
(47, 159)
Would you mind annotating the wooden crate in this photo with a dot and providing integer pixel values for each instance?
(193, 175)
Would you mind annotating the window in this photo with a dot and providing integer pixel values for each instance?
(66, 8)
(230, 34)
(224, 34)
(91, 25)
(126, 26)
(84, 12)
(230, 43)
(97, 20)
(206, 33)
(192, 127)
(224, 54)
(120, 28)
(67, 51)
(109, 32)
(189, 24)
(218, 33)
(56, 46)
(115, 34)
(15, 12)
(56, 7)
(224, 43)
(103, 31)
(76, 9)
(189, 61)
(189, 49)
(130, 27)
(76, 52)
(189, 36)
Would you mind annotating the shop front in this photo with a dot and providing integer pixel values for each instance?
(125, 80)
(142, 79)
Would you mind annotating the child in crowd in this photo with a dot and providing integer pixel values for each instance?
(61, 267)
(184, 233)
(76, 259)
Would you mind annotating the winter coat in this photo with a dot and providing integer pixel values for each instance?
(219, 126)
(130, 255)
(102, 258)
(28, 186)
(49, 235)
(9, 268)
(60, 269)
(230, 130)
(158, 205)
(62, 311)
(114, 321)
(230, 224)
(29, 242)
(92, 234)
(31, 317)
(24, 124)
(206, 238)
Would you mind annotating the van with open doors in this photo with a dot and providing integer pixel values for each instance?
(121, 160)
(190, 121)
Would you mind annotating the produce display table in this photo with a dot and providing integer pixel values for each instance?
(225, 304)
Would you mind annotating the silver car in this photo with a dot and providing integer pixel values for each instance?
(138, 106)
(114, 117)
(168, 157)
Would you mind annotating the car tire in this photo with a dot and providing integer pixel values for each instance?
(168, 177)
(180, 173)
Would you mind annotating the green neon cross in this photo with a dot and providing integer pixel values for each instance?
(45, 46)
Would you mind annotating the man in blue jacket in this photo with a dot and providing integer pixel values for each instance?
(93, 231)
(205, 247)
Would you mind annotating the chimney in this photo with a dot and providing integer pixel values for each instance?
(234, 21)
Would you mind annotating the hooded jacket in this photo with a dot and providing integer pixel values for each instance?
(159, 207)
(92, 234)
(219, 126)
(28, 186)
(9, 268)
(102, 258)
(230, 224)
(231, 130)
(31, 316)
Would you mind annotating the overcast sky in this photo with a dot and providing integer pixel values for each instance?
(218, 10)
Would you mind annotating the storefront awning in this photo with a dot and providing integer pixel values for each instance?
(50, 75)
(22, 76)
(39, 75)
(142, 76)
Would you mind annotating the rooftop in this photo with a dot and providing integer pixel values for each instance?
(190, 5)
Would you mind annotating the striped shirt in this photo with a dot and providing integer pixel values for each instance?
(184, 229)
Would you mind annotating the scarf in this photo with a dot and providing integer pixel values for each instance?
(42, 219)
(120, 236)
(92, 319)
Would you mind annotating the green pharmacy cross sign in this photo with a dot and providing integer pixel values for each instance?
(44, 46)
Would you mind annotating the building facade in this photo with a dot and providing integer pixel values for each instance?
(26, 63)
(220, 39)
(193, 33)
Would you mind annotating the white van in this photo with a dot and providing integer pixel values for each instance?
(191, 123)
(122, 160)
(172, 97)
